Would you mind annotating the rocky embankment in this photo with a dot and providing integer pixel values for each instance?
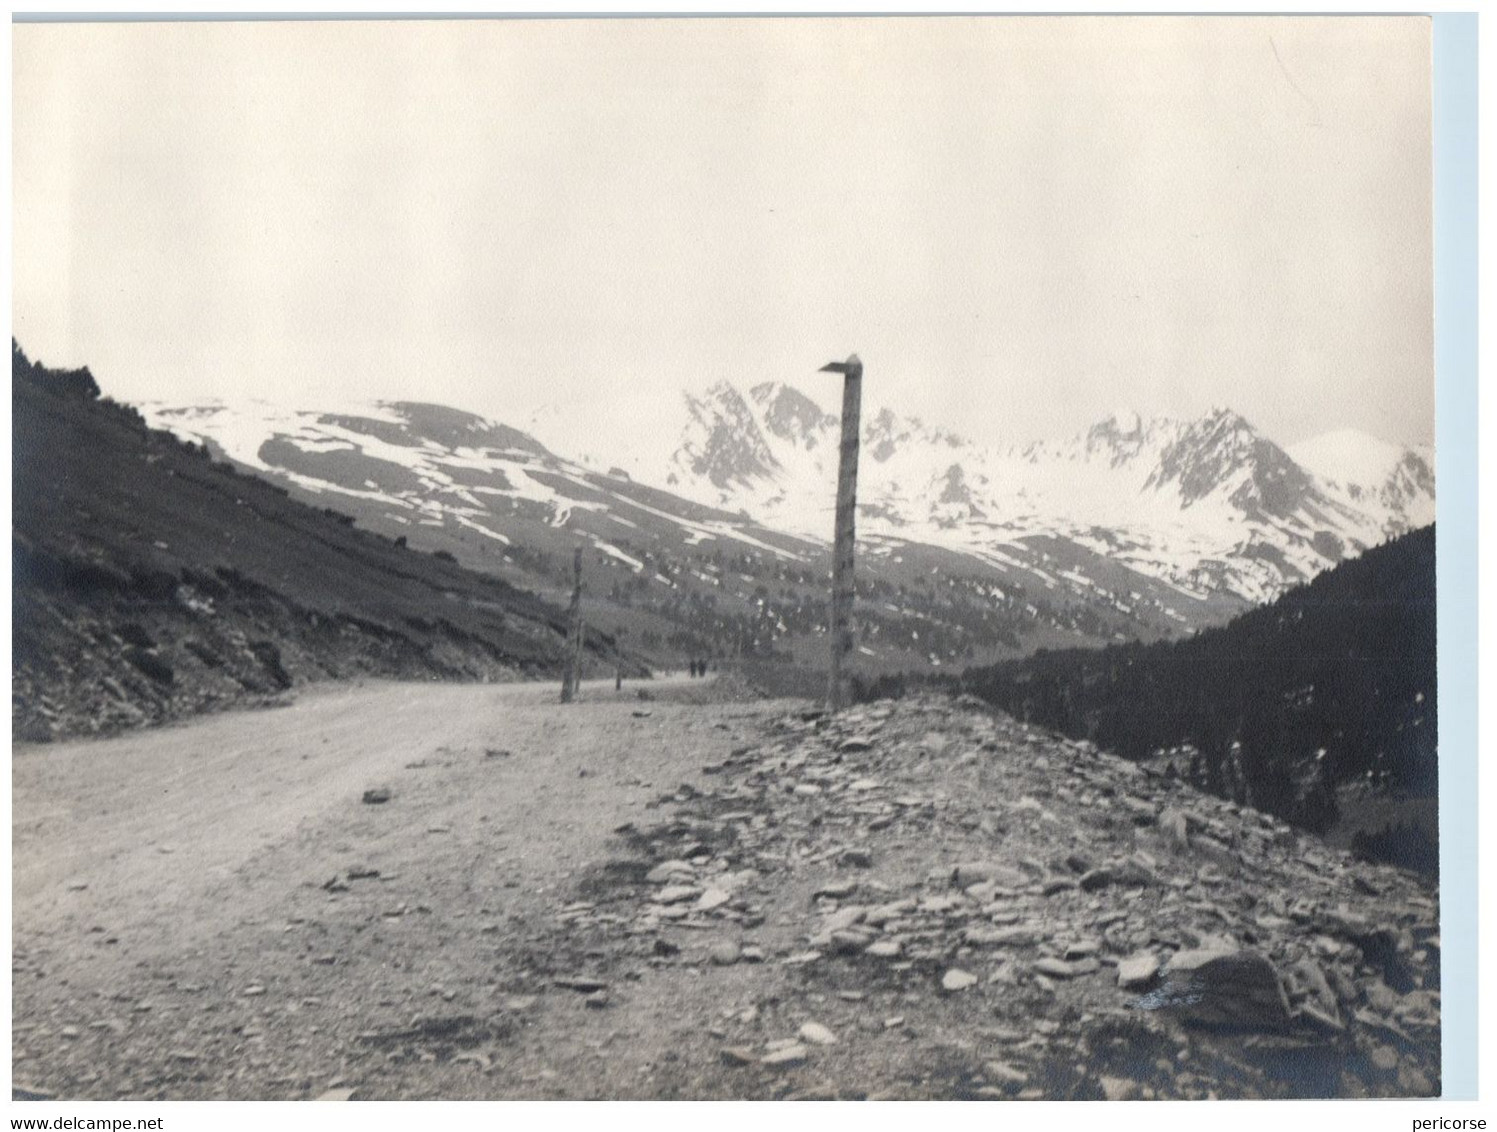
(100, 663)
(946, 903)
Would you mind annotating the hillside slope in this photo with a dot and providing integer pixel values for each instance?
(150, 582)
(1294, 708)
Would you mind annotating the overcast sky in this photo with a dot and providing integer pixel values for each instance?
(1020, 224)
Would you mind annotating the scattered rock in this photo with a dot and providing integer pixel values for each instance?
(977, 872)
(1319, 1019)
(1119, 1088)
(817, 1034)
(725, 954)
(1054, 968)
(1383, 1058)
(958, 980)
(785, 1058)
(1173, 824)
(836, 889)
(668, 869)
(581, 984)
(1005, 1074)
(847, 942)
(377, 796)
(843, 918)
(883, 913)
(1217, 988)
(1138, 971)
(1098, 879)
(712, 898)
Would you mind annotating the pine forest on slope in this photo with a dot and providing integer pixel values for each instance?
(1318, 708)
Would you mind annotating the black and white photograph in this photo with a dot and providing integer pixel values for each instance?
(739, 559)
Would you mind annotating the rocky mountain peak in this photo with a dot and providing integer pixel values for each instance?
(1223, 452)
(955, 502)
(1412, 479)
(883, 435)
(791, 415)
(1119, 437)
(724, 444)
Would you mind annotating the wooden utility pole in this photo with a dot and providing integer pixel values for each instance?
(571, 674)
(847, 510)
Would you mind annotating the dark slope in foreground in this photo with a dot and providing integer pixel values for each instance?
(150, 582)
(1319, 708)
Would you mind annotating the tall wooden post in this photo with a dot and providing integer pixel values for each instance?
(572, 661)
(845, 539)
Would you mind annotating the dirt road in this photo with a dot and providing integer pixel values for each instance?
(175, 929)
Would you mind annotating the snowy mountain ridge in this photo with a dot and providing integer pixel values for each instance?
(1207, 507)
(1204, 504)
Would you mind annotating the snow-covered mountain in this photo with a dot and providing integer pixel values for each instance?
(429, 465)
(1373, 475)
(1207, 505)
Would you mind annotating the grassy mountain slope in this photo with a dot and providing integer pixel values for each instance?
(151, 582)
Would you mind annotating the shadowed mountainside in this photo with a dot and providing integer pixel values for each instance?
(151, 583)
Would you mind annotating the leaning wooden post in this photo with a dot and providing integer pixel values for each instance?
(571, 669)
(847, 509)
